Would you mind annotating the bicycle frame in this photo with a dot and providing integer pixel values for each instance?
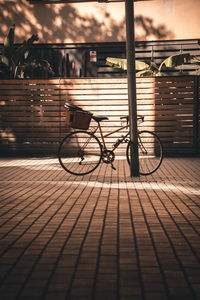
(103, 136)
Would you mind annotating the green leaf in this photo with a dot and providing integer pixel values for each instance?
(144, 73)
(121, 63)
(8, 49)
(5, 60)
(140, 65)
(196, 62)
(118, 63)
(153, 67)
(21, 50)
(176, 60)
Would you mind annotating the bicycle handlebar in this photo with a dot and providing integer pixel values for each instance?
(139, 117)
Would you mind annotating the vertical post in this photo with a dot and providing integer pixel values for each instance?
(130, 55)
(196, 114)
(60, 109)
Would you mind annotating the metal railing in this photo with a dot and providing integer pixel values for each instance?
(77, 59)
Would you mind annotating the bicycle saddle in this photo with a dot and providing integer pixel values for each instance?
(99, 119)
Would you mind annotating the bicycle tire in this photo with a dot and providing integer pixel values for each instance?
(150, 151)
(80, 153)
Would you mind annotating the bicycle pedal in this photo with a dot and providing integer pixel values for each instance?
(113, 167)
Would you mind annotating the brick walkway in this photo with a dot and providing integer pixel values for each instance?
(100, 236)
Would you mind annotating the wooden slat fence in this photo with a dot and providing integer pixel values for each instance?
(33, 114)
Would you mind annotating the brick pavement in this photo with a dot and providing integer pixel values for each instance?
(100, 236)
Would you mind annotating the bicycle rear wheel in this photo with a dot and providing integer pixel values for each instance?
(80, 153)
(150, 152)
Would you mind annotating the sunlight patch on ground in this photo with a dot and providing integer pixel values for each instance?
(38, 164)
(167, 187)
(141, 186)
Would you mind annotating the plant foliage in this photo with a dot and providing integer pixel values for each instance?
(14, 62)
(144, 69)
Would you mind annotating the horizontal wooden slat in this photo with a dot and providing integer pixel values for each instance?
(32, 111)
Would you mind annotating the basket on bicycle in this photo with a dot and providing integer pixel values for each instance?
(77, 118)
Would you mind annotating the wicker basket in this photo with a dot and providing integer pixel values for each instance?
(78, 119)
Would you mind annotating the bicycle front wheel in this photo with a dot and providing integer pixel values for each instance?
(80, 153)
(150, 152)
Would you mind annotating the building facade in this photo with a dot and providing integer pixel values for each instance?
(100, 22)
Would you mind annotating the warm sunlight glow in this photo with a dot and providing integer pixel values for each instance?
(7, 135)
(57, 22)
(52, 164)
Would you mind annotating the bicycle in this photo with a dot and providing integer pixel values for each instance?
(80, 152)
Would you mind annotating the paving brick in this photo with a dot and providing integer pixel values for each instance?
(100, 236)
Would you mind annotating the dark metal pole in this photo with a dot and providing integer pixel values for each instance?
(196, 114)
(130, 55)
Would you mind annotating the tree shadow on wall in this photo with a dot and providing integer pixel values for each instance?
(147, 29)
(52, 23)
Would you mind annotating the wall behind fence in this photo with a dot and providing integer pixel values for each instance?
(33, 114)
(94, 22)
